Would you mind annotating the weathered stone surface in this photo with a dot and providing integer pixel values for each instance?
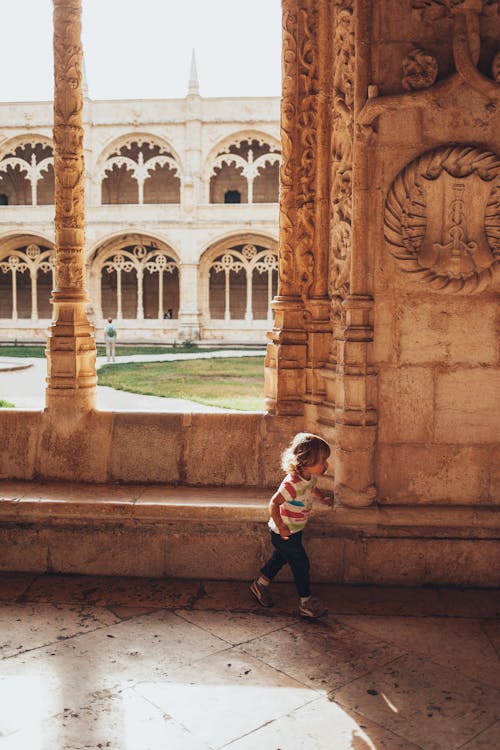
(146, 448)
(405, 405)
(20, 434)
(452, 475)
(467, 408)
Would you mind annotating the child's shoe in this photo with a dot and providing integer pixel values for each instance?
(261, 593)
(312, 609)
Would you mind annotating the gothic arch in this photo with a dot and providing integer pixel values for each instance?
(134, 276)
(239, 277)
(245, 164)
(27, 269)
(139, 168)
(27, 170)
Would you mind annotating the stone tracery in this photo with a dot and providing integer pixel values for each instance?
(251, 261)
(146, 164)
(244, 164)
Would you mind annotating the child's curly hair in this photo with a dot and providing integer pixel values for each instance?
(305, 449)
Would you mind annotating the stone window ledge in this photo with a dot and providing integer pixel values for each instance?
(54, 503)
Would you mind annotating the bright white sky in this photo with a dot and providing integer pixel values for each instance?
(142, 48)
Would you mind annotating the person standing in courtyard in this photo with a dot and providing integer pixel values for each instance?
(110, 340)
(290, 507)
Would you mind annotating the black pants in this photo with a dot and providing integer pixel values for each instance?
(289, 551)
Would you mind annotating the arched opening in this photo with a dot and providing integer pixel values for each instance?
(27, 175)
(249, 167)
(140, 172)
(137, 281)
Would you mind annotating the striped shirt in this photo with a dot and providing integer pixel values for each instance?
(298, 494)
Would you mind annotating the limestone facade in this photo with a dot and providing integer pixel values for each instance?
(181, 206)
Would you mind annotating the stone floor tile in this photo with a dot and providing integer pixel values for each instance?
(386, 600)
(147, 648)
(452, 642)
(236, 627)
(487, 740)
(431, 706)
(491, 628)
(13, 585)
(226, 695)
(122, 720)
(235, 595)
(471, 602)
(25, 627)
(322, 656)
(113, 590)
(320, 725)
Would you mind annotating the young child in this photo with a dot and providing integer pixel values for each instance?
(304, 461)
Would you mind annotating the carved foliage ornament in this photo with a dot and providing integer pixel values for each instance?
(442, 218)
(440, 8)
(342, 140)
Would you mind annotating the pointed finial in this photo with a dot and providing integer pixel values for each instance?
(85, 83)
(193, 85)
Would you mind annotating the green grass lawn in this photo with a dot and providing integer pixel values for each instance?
(232, 383)
(6, 404)
(10, 350)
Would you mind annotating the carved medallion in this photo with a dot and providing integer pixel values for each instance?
(420, 70)
(442, 218)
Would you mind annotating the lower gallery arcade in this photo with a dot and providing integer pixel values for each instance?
(384, 328)
(139, 280)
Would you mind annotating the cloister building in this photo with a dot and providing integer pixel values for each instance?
(182, 217)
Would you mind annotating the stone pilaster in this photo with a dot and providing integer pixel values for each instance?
(71, 369)
(303, 257)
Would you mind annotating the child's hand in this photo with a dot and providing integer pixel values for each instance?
(284, 532)
(325, 499)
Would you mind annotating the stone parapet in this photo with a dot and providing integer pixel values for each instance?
(180, 531)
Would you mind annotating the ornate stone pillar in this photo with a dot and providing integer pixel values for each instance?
(352, 388)
(71, 352)
(285, 381)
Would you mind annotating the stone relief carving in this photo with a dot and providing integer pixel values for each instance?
(287, 208)
(465, 17)
(342, 144)
(307, 122)
(442, 218)
(439, 8)
(68, 140)
(420, 70)
(495, 67)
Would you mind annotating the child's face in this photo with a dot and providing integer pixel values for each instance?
(317, 469)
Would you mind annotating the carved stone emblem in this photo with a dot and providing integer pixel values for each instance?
(420, 70)
(442, 218)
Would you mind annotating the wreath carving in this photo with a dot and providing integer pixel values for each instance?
(442, 218)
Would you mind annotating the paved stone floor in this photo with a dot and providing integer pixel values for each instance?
(141, 664)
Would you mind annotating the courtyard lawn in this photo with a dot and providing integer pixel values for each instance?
(231, 383)
(9, 350)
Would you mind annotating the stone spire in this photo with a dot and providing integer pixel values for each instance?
(193, 85)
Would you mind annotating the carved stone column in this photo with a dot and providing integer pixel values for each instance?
(286, 358)
(71, 352)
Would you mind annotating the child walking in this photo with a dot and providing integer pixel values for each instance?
(304, 461)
